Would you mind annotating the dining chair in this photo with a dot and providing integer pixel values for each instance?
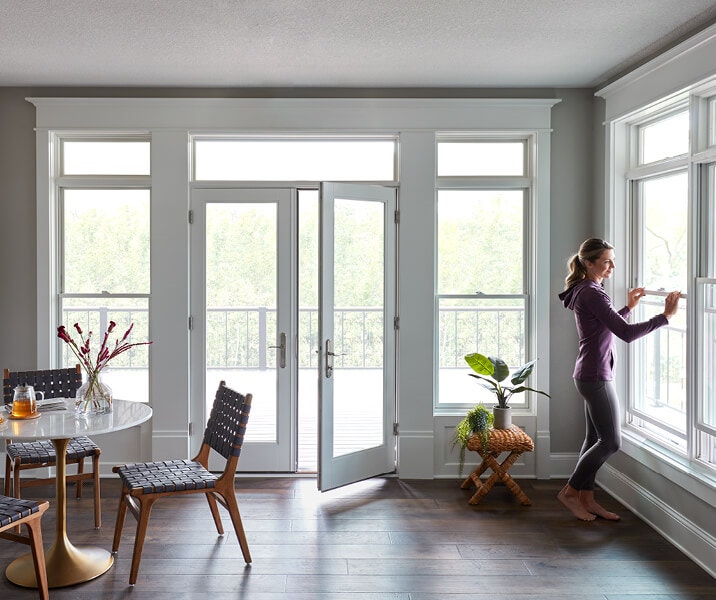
(145, 483)
(21, 456)
(15, 512)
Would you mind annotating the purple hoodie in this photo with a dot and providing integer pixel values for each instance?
(597, 324)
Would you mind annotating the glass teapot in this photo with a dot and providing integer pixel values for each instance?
(24, 401)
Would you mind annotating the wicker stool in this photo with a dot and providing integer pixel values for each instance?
(513, 440)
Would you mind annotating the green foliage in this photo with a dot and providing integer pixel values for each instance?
(493, 371)
(478, 420)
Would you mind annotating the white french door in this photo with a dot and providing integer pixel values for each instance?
(242, 311)
(264, 302)
(356, 329)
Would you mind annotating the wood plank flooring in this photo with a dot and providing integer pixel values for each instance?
(380, 539)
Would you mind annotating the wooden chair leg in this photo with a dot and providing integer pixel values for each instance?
(16, 479)
(214, 507)
(34, 531)
(145, 510)
(95, 491)
(233, 509)
(119, 523)
(8, 474)
(80, 471)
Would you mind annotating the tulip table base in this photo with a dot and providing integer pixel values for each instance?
(66, 564)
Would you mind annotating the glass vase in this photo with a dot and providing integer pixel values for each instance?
(94, 396)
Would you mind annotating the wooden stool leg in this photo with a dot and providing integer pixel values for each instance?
(499, 472)
(474, 477)
(486, 486)
(511, 483)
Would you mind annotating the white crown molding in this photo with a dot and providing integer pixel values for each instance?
(286, 114)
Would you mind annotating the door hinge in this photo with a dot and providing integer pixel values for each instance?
(396, 323)
(396, 217)
(191, 429)
(191, 217)
(191, 322)
(395, 429)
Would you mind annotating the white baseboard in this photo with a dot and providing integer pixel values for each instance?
(697, 544)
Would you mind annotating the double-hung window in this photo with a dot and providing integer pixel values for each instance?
(102, 199)
(670, 156)
(484, 199)
(659, 199)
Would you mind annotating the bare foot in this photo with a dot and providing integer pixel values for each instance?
(570, 498)
(586, 499)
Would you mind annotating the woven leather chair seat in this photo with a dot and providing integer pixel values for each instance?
(166, 476)
(42, 452)
(15, 512)
(14, 509)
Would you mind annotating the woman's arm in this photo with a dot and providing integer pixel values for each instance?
(599, 304)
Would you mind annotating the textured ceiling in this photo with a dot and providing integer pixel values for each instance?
(336, 43)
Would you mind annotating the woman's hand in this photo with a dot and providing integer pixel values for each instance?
(671, 304)
(633, 297)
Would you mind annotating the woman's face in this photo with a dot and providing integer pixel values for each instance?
(602, 267)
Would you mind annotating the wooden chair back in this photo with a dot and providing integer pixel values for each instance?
(54, 383)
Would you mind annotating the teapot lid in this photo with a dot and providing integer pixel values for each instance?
(23, 387)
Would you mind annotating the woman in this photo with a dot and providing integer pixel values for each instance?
(597, 324)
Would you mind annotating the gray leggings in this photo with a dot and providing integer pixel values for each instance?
(603, 436)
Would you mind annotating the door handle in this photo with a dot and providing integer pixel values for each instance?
(282, 354)
(329, 358)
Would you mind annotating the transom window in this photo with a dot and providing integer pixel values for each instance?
(295, 159)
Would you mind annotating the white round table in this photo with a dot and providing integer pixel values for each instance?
(68, 564)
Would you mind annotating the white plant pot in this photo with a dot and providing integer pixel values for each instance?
(503, 417)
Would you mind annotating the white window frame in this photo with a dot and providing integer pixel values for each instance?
(692, 448)
(526, 184)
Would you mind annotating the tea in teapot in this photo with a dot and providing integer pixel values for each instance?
(24, 401)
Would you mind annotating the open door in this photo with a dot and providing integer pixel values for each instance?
(356, 294)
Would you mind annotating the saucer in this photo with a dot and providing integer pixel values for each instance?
(37, 415)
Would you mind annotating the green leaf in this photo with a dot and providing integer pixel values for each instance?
(522, 389)
(523, 373)
(501, 370)
(493, 385)
(480, 364)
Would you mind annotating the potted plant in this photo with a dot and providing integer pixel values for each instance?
(493, 371)
(477, 421)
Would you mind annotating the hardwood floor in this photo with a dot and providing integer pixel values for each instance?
(378, 539)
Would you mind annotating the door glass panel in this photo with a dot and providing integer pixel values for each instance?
(241, 304)
(358, 325)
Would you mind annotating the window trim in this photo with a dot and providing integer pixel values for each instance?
(528, 185)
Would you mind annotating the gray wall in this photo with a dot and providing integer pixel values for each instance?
(18, 290)
(572, 212)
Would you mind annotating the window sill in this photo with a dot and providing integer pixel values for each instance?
(690, 475)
